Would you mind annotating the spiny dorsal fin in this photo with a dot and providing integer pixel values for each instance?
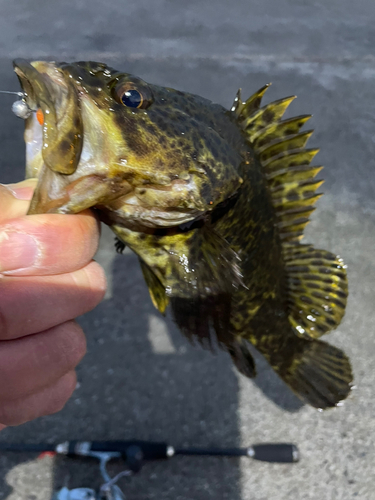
(316, 278)
(265, 116)
(280, 146)
(279, 129)
(289, 159)
(247, 108)
(318, 289)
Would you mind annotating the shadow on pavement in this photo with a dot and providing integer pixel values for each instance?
(133, 386)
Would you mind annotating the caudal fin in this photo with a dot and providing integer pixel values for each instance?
(320, 374)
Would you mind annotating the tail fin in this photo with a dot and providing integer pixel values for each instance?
(320, 374)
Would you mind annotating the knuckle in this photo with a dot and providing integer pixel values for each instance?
(86, 236)
(97, 282)
(90, 286)
(88, 227)
(100, 279)
(57, 405)
(74, 345)
(62, 392)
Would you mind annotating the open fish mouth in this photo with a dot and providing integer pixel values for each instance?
(78, 155)
(69, 180)
(54, 130)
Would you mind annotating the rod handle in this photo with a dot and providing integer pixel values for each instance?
(281, 452)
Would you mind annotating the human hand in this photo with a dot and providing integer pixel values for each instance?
(47, 278)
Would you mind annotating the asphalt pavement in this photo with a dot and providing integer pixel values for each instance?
(141, 378)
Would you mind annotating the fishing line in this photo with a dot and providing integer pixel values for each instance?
(20, 94)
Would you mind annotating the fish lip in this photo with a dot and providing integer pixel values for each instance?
(28, 75)
(47, 88)
(33, 84)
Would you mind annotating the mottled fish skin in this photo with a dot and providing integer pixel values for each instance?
(182, 182)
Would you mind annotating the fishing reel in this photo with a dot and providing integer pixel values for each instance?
(109, 489)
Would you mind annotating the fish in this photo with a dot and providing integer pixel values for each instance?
(214, 203)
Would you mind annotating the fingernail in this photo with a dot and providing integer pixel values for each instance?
(21, 193)
(22, 190)
(17, 251)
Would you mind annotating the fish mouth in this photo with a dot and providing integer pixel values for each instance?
(79, 156)
(54, 131)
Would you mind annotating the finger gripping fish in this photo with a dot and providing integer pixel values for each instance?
(213, 202)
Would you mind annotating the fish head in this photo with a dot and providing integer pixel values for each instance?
(146, 154)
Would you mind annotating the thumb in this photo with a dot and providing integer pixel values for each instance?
(15, 199)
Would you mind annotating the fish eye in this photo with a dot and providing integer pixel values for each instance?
(132, 98)
(133, 94)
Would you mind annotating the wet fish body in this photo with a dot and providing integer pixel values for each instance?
(213, 202)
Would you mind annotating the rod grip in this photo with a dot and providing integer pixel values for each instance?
(281, 452)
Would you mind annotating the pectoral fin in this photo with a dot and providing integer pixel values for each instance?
(318, 289)
(206, 267)
(197, 272)
(201, 303)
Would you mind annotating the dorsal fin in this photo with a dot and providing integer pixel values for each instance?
(317, 282)
(247, 108)
(280, 147)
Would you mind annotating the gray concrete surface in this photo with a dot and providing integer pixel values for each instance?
(140, 378)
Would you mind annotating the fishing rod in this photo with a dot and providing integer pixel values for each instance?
(135, 453)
